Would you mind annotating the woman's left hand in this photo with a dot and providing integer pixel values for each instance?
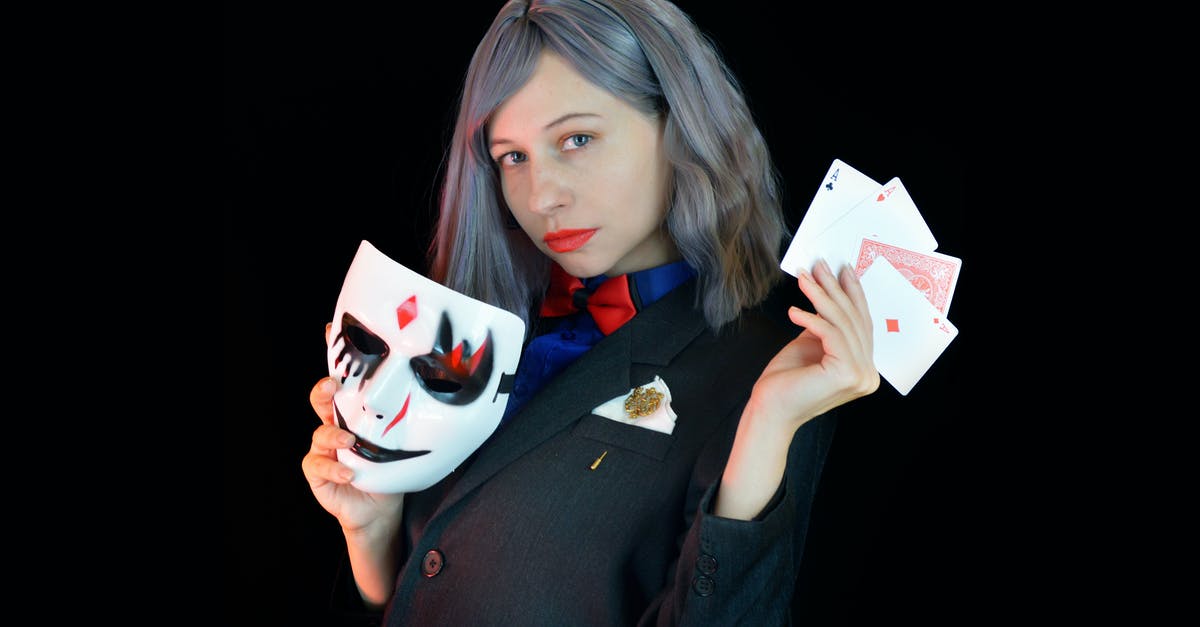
(830, 363)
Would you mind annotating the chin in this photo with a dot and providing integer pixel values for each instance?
(578, 265)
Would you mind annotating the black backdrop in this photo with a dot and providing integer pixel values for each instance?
(336, 116)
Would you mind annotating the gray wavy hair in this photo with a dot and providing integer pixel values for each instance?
(725, 216)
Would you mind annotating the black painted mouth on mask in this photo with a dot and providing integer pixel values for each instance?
(374, 452)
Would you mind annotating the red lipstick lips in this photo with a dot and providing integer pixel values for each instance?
(566, 240)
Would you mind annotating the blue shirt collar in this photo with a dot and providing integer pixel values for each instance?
(649, 285)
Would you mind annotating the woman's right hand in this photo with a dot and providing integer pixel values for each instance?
(330, 479)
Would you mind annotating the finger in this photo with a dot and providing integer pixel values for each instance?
(853, 302)
(850, 346)
(328, 327)
(813, 323)
(855, 327)
(321, 460)
(825, 293)
(846, 291)
(321, 469)
(328, 438)
(865, 326)
(321, 399)
(831, 283)
(809, 352)
(834, 323)
(854, 290)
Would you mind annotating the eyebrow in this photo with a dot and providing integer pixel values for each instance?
(559, 120)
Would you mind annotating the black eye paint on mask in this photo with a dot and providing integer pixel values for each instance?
(365, 350)
(455, 376)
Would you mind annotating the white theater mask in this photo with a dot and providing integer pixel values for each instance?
(423, 372)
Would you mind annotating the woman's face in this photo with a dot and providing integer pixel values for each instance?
(583, 172)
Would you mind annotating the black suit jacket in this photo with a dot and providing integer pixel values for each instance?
(527, 532)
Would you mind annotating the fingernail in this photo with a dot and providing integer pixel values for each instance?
(327, 385)
(346, 474)
(345, 439)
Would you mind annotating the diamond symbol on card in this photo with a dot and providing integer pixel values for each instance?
(893, 325)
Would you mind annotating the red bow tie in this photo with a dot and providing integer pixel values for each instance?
(610, 305)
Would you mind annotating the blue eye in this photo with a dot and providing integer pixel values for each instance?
(576, 141)
(511, 158)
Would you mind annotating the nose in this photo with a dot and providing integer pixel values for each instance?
(385, 395)
(549, 190)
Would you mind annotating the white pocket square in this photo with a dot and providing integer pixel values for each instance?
(647, 406)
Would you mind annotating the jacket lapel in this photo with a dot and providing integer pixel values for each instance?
(654, 336)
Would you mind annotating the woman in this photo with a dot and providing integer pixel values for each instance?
(603, 144)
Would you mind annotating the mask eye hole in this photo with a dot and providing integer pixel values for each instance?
(454, 373)
(434, 376)
(361, 351)
(364, 341)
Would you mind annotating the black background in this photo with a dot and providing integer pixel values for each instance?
(336, 119)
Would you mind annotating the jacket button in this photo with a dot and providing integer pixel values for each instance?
(707, 564)
(704, 586)
(433, 562)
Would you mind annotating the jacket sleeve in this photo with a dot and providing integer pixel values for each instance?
(743, 572)
(346, 607)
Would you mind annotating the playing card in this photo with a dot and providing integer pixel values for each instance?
(932, 273)
(888, 215)
(842, 188)
(909, 333)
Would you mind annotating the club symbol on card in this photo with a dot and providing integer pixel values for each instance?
(832, 178)
(893, 325)
(885, 193)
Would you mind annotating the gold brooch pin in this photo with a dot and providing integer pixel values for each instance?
(642, 402)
